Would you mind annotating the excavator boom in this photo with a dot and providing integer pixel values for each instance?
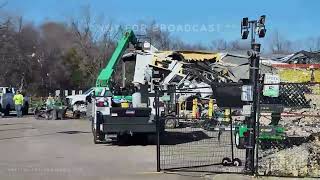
(105, 75)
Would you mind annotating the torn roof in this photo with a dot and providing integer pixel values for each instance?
(189, 55)
(199, 56)
(304, 57)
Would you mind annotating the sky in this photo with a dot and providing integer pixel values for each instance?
(193, 21)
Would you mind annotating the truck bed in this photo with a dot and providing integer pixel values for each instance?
(130, 120)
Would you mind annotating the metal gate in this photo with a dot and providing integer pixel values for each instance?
(198, 135)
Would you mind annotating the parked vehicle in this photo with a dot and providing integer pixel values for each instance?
(6, 101)
(78, 103)
(120, 112)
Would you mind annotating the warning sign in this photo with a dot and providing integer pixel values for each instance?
(272, 87)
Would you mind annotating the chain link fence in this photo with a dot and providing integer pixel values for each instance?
(205, 131)
(295, 150)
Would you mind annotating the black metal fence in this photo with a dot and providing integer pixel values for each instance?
(297, 153)
(205, 130)
(198, 135)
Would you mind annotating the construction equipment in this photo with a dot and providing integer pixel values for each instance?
(268, 134)
(53, 111)
(116, 112)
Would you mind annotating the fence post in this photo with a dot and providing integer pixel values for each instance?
(254, 79)
(156, 106)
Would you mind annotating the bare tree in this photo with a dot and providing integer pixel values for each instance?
(160, 38)
(313, 43)
(279, 44)
(219, 44)
(237, 45)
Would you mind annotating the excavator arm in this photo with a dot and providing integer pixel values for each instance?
(105, 75)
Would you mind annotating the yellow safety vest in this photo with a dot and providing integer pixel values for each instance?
(18, 99)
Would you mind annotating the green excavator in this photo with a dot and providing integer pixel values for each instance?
(114, 114)
(104, 79)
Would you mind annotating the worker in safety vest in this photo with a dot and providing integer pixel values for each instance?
(50, 102)
(18, 102)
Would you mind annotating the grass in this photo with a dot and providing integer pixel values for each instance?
(298, 75)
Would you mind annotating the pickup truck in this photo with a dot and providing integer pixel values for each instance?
(78, 103)
(6, 101)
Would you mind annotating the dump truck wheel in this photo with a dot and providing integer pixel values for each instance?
(170, 123)
(98, 136)
(95, 135)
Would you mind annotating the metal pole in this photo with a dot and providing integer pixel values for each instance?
(157, 127)
(251, 123)
(257, 130)
(254, 106)
(253, 26)
(254, 78)
(256, 99)
(231, 133)
(123, 74)
(257, 124)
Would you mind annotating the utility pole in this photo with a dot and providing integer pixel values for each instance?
(256, 28)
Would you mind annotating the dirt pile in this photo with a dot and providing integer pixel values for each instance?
(297, 123)
(303, 160)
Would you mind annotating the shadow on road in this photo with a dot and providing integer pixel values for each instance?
(18, 137)
(166, 138)
(73, 132)
(47, 134)
(16, 129)
(8, 124)
(135, 140)
(173, 138)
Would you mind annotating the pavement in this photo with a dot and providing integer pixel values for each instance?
(63, 149)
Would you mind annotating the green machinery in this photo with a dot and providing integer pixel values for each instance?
(103, 80)
(114, 114)
(268, 135)
(271, 134)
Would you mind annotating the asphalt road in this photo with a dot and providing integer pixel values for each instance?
(63, 149)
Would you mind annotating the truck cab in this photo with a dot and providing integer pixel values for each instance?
(79, 98)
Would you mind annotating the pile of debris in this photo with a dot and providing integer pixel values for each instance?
(303, 160)
(300, 123)
(304, 125)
